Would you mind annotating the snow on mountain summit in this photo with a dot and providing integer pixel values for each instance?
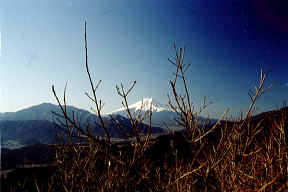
(145, 105)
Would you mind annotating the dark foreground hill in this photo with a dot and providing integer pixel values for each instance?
(38, 154)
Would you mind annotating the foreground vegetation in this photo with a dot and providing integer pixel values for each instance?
(246, 154)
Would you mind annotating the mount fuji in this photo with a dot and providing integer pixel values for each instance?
(160, 112)
(145, 105)
(161, 115)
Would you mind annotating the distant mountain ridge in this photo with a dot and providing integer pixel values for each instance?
(35, 125)
(42, 112)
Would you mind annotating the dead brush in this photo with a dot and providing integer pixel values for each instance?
(93, 164)
(252, 160)
(243, 156)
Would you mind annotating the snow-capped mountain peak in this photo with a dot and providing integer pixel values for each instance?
(145, 105)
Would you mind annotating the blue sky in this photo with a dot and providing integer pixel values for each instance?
(227, 44)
